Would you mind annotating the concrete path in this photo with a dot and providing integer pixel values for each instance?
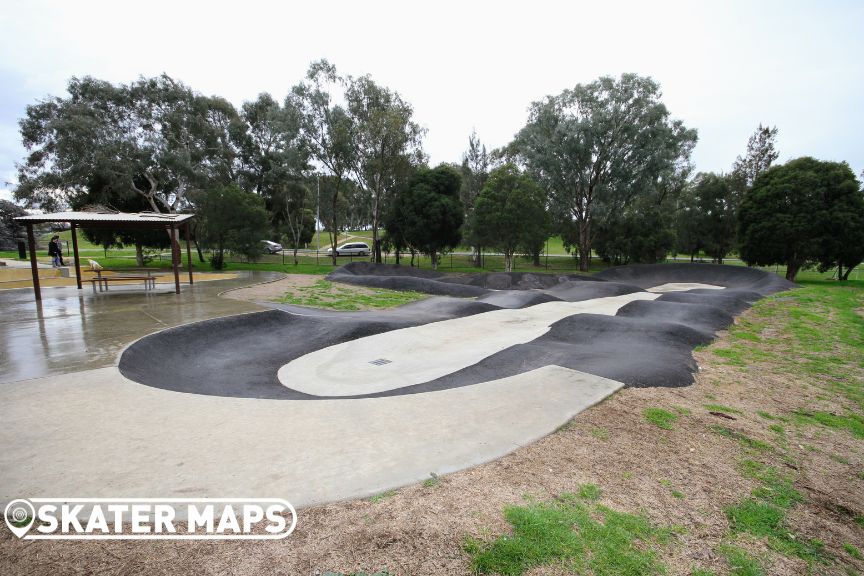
(97, 434)
(409, 356)
(683, 287)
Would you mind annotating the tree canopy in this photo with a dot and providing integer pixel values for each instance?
(432, 212)
(510, 213)
(600, 142)
(232, 219)
(803, 213)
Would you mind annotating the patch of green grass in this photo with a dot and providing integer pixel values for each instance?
(741, 563)
(763, 414)
(583, 537)
(382, 496)
(589, 492)
(668, 484)
(432, 481)
(853, 551)
(681, 410)
(851, 422)
(600, 433)
(660, 417)
(764, 514)
(742, 439)
(326, 294)
(822, 335)
(722, 408)
(839, 459)
(702, 572)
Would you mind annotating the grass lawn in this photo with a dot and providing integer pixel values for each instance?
(324, 294)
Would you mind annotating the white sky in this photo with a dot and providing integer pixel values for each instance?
(724, 66)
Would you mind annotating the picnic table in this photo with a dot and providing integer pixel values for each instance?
(102, 280)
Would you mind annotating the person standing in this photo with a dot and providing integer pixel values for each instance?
(55, 250)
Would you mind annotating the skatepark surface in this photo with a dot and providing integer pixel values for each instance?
(198, 395)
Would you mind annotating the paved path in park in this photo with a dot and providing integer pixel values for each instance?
(96, 434)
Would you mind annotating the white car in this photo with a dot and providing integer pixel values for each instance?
(270, 247)
(351, 249)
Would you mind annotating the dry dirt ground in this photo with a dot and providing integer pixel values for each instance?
(683, 477)
(274, 289)
(291, 285)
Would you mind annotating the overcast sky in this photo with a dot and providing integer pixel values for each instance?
(724, 66)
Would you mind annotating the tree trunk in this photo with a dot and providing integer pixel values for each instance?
(397, 256)
(200, 252)
(584, 246)
(475, 258)
(295, 254)
(846, 274)
(792, 270)
(139, 255)
(508, 261)
(434, 257)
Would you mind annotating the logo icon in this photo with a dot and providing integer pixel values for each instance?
(19, 515)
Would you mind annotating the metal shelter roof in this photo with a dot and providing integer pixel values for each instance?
(144, 219)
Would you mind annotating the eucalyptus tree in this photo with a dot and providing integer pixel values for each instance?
(273, 152)
(154, 138)
(600, 139)
(387, 143)
(760, 155)
(476, 163)
(327, 131)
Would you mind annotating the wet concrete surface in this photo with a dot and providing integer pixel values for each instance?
(72, 330)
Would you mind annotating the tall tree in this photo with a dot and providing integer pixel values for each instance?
(10, 230)
(289, 210)
(510, 213)
(387, 143)
(327, 132)
(715, 214)
(638, 235)
(272, 152)
(760, 155)
(687, 224)
(153, 138)
(475, 171)
(597, 140)
(232, 219)
(432, 211)
(803, 213)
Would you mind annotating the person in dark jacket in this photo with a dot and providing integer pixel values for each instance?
(55, 250)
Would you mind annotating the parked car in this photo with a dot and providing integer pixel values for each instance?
(271, 247)
(351, 249)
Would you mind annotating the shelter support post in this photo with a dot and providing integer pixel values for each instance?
(188, 252)
(75, 254)
(33, 266)
(175, 257)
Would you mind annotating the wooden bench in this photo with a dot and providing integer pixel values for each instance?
(102, 281)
